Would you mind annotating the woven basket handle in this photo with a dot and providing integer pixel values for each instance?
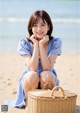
(48, 85)
(55, 88)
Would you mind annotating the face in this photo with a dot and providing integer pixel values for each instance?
(40, 28)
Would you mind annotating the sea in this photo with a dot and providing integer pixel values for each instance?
(15, 14)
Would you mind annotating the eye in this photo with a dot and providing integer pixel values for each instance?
(35, 25)
(42, 24)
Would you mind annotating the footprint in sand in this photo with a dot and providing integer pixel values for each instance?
(9, 84)
(1, 77)
(70, 69)
(14, 92)
(8, 79)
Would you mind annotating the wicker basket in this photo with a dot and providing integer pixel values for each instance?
(51, 101)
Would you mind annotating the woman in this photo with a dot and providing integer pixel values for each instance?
(40, 51)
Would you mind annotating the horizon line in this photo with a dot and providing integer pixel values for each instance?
(55, 20)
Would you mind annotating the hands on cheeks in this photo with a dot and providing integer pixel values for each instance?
(33, 39)
(44, 40)
(41, 41)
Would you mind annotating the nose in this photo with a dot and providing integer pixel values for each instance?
(39, 27)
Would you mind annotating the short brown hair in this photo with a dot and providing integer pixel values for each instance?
(45, 17)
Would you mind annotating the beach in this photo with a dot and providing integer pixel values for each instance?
(14, 17)
(12, 66)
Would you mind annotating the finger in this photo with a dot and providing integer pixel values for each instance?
(35, 37)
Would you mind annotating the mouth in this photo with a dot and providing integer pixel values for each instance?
(40, 33)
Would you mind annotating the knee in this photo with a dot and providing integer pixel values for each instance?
(31, 77)
(46, 76)
(30, 81)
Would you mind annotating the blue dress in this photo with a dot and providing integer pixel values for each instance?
(25, 48)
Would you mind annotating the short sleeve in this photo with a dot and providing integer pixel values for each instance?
(56, 46)
(23, 47)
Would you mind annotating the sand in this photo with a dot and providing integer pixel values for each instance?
(12, 66)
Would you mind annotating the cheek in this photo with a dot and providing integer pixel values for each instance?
(46, 30)
(33, 30)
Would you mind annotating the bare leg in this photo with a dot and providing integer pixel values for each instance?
(30, 81)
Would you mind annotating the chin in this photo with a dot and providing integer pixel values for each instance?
(40, 36)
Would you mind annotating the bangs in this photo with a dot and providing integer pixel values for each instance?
(35, 21)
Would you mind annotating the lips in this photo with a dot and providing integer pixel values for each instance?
(40, 33)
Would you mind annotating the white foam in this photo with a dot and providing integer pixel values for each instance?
(13, 20)
(56, 20)
(62, 20)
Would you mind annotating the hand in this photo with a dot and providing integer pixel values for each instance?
(44, 40)
(34, 39)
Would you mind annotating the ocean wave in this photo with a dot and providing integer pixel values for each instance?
(56, 20)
